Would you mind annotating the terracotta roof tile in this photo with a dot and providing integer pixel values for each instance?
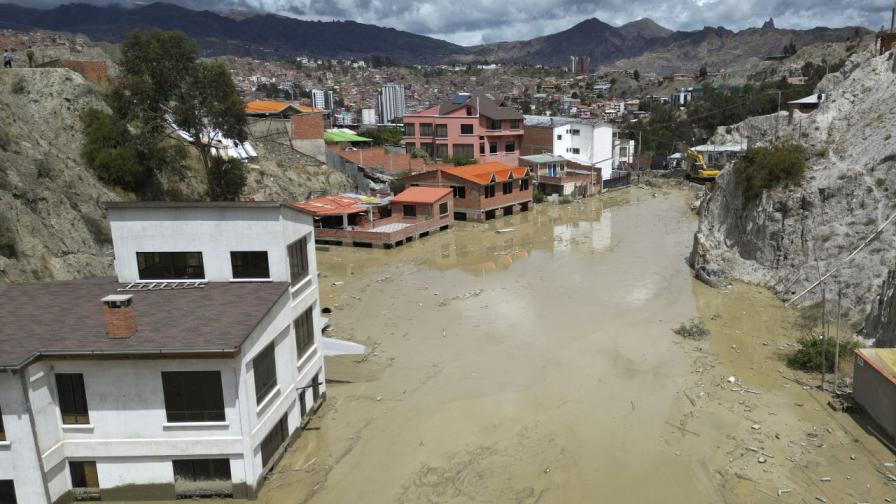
(484, 173)
(421, 195)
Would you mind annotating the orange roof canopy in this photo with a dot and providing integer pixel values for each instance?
(421, 195)
(482, 173)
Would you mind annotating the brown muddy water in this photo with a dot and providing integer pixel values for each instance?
(539, 365)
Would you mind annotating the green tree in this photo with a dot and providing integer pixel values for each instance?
(702, 73)
(226, 179)
(637, 76)
(384, 135)
(763, 168)
(162, 82)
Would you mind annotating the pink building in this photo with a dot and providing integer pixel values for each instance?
(471, 126)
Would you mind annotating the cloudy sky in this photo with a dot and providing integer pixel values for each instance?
(470, 22)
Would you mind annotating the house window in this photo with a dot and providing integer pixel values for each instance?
(249, 264)
(409, 129)
(469, 111)
(463, 151)
(514, 124)
(7, 492)
(297, 252)
(264, 366)
(524, 184)
(428, 149)
(201, 470)
(623, 152)
(274, 440)
(2, 433)
(443, 209)
(573, 150)
(304, 328)
(493, 147)
(410, 147)
(507, 187)
(559, 137)
(442, 151)
(409, 210)
(481, 149)
(83, 474)
(490, 191)
(493, 124)
(72, 398)
(441, 130)
(170, 266)
(466, 129)
(510, 147)
(425, 129)
(193, 396)
(574, 132)
(459, 191)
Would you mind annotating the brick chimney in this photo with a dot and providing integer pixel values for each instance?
(119, 312)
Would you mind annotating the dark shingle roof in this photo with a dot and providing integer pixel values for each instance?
(67, 318)
(487, 107)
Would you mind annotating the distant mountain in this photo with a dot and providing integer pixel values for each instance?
(722, 49)
(642, 44)
(260, 35)
(644, 27)
(645, 45)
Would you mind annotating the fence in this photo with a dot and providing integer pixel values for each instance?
(617, 180)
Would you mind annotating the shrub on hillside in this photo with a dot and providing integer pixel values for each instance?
(692, 329)
(808, 356)
(226, 179)
(763, 168)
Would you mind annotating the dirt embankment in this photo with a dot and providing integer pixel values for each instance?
(52, 218)
(789, 237)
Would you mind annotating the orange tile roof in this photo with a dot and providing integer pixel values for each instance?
(421, 195)
(275, 107)
(482, 173)
(330, 205)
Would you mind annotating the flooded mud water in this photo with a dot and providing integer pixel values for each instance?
(538, 365)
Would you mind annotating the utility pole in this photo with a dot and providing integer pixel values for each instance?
(837, 351)
(824, 304)
(778, 116)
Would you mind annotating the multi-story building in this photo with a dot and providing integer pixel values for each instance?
(482, 191)
(391, 103)
(473, 126)
(583, 143)
(187, 375)
(322, 99)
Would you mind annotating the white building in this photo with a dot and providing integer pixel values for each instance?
(368, 116)
(588, 143)
(186, 375)
(322, 99)
(391, 103)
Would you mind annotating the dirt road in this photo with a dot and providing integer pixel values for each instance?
(538, 365)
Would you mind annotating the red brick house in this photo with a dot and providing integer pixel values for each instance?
(481, 191)
(472, 126)
(368, 222)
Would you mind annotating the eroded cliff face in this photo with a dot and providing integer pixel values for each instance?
(52, 217)
(790, 236)
(880, 324)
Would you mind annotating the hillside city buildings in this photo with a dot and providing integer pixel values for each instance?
(186, 375)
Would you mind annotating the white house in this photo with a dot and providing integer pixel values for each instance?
(186, 375)
(587, 143)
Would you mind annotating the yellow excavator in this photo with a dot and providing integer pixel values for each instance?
(697, 168)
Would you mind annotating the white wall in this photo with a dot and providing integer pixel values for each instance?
(18, 456)
(214, 231)
(595, 144)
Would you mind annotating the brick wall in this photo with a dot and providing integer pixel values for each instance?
(120, 322)
(307, 126)
(473, 199)
(537, 141)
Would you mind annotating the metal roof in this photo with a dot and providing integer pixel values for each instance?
(542, 158)
(814, 99)
(337, 136)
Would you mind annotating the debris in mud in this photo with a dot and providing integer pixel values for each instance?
(462, 297)
(713, 276)
(505, 230)
(693, 329)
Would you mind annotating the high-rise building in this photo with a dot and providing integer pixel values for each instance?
(390, 103)
(573, 64)
(322, 99)
(580, 65)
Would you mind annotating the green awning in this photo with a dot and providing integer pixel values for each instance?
(341, 136)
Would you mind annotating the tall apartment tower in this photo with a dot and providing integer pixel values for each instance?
(322, 99)
(390, 103)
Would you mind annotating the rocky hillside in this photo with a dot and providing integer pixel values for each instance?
(52, 221)
(788, 237)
